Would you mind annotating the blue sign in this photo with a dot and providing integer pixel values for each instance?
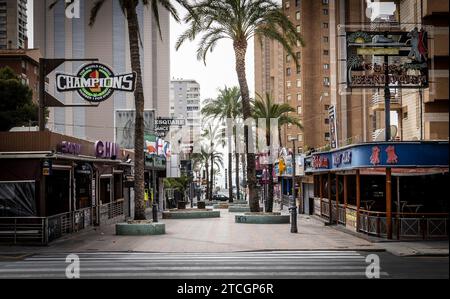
(388, 154)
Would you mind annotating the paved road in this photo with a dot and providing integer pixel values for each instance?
(243, 265)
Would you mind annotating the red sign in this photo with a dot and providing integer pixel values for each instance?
(392, 157)
(320, 162)
(375, 157)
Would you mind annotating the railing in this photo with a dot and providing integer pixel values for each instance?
(404, 225)
(42, 230)
(342, 214)
(67, 223)
(111, 211)
(29, 230)
(379, 99)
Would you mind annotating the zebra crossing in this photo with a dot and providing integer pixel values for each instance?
(231, 265)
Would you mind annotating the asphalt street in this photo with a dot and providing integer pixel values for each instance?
(232, 265)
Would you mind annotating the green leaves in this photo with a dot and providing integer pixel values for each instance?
(16, 106)
(238, 20)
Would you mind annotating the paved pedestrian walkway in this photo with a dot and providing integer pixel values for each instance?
(224, 235)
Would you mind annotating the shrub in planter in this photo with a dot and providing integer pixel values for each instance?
(201, 205)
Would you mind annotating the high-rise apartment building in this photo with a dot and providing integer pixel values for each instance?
(185, 104)
(13, 24)
(319, 80)
(58, 36)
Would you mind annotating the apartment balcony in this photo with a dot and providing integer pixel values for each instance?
(431, 7)
(377, 103)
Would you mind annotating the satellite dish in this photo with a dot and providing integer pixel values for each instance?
(379, 134)
(394, 132)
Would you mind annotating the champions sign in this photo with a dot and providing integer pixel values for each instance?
(95, 82)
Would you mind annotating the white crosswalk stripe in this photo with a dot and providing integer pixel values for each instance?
(244, 265)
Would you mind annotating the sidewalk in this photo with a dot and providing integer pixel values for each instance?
(403, 248)
(224, 235)
(208, 235)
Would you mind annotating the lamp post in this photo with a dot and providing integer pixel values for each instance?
(293, 207)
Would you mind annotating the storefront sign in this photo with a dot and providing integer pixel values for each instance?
(107, 150)
(406, 54)
(70, 148)
(47, 167)
(333, 127)
(342, 158)
(95, 82)
(383, 154)
(320, 162)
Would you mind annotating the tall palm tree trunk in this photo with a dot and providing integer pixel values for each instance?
(207, 181)
(238, 195)
(139, 210)
(243, 175)
(212, 178)
(271, 185)
(230, 171)
(240, 49)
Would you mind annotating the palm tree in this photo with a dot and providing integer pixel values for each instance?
(202, 159)
(213, 137)
(227, 105)
(129, 10)
(240, 20)
(265, 108)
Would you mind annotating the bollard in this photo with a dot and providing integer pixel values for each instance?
(155, 212)
(293, 211)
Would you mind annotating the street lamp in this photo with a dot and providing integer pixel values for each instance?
(293, 207)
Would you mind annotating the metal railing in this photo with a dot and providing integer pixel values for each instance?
(29, 230)
(67, 223)
(42, 230)
(404, 225)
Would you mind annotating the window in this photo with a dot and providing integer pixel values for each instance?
(298, 28)
(288, 98)
(297, 15)
(288, 84)
(326, 81)
(288, 58)
(326, 52)
(288, 71)
(298, 69)
(299, 110)
(298, 55)
(299, 44)
(300, 137)
(327, 136)
(299, 97)
(287, 5)
(326, 66)
(325, 39)
(325, 25)
(325, 12)
(297, 3)
(326, 107)
(299, 83)
(325, 2)
(327, 121)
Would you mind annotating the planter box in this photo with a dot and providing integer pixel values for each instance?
(140, 229)
(241, 209)
(190, 214)
(181, 205)
(201, 205)
(239, 202)
(263, 218)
